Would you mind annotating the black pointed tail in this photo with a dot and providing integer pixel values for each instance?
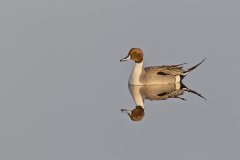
(192, 91)
(192, 68)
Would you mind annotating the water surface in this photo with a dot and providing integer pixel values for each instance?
(62, 85)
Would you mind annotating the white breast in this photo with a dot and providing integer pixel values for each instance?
(134, 78)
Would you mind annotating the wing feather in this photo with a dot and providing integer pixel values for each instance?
(173, 70)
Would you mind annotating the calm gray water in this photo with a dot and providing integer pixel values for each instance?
(62, 85)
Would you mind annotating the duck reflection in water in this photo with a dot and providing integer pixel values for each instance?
(154, 82)
(154, 92)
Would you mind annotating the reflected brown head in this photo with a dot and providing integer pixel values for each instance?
(137, 114)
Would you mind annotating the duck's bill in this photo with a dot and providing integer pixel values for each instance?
(126, 111)
(126, 58)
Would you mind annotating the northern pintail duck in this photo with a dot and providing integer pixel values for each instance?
(154, 74)
(154, 92)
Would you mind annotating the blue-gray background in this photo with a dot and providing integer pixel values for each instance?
(62, 85)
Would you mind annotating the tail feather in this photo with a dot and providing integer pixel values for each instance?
(192, 91)
(192, 68)
(196, 93)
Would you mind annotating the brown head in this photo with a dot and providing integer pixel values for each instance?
(136, 114)
(135, 54)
